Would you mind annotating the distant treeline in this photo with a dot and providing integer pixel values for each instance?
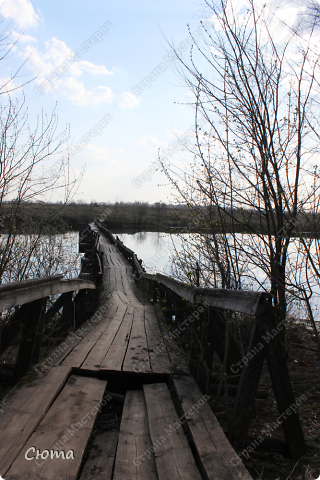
(140, 216)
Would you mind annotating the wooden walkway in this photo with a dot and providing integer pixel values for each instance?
(159, 438)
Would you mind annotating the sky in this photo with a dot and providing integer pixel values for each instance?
(106, 65)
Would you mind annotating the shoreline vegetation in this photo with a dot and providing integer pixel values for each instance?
(139, 216)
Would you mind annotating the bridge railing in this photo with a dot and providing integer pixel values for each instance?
(211, 326)
(33, 318)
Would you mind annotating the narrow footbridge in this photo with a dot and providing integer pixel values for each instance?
(168, 430)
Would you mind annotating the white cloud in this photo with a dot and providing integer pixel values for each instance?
(22, 39)
(44, 64)
(76, 92)
(83, 66)
(128, 100)
(21, 11)
(55, 55)
(121, 150)
(148, 142)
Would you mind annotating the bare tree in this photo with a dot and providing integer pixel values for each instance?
(34, 165)
(254, 83)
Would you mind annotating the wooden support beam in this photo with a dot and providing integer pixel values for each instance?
(80, 306)
(281, 383)
(218, 332)
(10, 330)
(29, 332)
(67, 318)
(58, 304)
(209, 346)
(37, 344)
(247, 390)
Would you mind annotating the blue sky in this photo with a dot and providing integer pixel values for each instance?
(127, 44)
(121, 73)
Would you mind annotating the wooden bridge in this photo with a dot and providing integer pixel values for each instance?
(167, 431)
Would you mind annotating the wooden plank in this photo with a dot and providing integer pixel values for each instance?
(79, 353)
(117, 351)
(137, 356)
(174, 459)
(159, 358)
(134, 440)
(123, 298)
(218, 459)
(96, 356)
(99, 465)
(105, 342)
(24, 410)
(72, 340)
(67, 426)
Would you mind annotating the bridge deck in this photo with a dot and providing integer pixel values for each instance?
(163, 435)
(128, 338)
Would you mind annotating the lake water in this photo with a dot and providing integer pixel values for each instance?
(156, 252)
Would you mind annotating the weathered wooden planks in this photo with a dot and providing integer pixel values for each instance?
(158, 354)
(67, 426)
(133, 342)
(24, 411)
(99, 465)
(79, 353)
(218, 459)
(117, 351)
(174, 459)
(132, 462)
(96, 355)
(137, 358)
